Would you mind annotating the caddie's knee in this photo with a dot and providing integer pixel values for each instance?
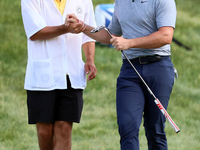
(44, 130)
(63, 129)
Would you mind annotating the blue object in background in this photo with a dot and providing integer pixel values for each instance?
(103, 15)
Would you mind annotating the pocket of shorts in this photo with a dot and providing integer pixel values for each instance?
(42, 74)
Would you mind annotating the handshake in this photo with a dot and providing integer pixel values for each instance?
(74, 24)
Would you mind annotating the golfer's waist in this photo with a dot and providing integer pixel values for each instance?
(147, 59)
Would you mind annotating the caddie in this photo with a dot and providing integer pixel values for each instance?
(56, 74)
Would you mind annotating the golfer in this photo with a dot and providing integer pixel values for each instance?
(56, 74)
(144, 30)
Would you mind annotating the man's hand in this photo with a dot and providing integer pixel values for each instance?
(120, 43)
(91, 70)
(75, 25)
(71, 18)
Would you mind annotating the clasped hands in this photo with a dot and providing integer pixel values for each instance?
(78, 26)
(74, 24)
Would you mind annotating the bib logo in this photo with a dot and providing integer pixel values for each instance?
(79, 10)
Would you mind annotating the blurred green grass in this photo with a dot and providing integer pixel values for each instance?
(98, 127)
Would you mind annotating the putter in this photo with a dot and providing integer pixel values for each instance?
(158, 103)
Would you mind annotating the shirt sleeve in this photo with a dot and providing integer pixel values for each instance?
(114, 26)
(90, 20)
(166, 13)
(32, 19)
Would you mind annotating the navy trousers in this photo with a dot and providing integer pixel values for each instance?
(134, 102)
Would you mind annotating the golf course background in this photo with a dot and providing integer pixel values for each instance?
(98, 127)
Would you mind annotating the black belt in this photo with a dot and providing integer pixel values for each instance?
(147, 59)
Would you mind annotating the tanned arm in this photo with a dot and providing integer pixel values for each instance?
(155, 40)
(89, 50)
(54, 31)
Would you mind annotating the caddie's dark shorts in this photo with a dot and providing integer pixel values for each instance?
(55, 105)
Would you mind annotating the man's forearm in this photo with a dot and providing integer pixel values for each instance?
(89, 50)
(49, 32)
(101, 36)
(155, 40)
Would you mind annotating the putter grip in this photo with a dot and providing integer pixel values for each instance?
(162, 109)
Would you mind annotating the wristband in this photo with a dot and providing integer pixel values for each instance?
(85, 25)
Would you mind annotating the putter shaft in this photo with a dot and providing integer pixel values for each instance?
(160, 106)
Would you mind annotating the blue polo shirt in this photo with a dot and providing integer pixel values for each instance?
(142, 18)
